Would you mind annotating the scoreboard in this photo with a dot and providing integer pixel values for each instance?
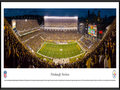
(92, 30)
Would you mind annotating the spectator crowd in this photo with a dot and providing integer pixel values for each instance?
(17, 55)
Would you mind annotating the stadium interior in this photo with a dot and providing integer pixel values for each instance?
(58, 42)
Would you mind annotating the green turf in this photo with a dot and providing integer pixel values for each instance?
(60, 50)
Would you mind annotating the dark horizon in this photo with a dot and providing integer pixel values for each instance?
(59, 12)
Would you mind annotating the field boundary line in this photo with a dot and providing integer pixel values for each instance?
(61, 58)
(41, 46)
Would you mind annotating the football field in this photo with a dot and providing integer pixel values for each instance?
(54, 50)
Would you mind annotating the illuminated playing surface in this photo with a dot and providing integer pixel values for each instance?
(60, 50)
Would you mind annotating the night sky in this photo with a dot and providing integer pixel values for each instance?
(58, 12)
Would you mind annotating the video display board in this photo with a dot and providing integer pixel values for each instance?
(92, 30)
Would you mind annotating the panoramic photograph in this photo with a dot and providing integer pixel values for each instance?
(60, 38)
